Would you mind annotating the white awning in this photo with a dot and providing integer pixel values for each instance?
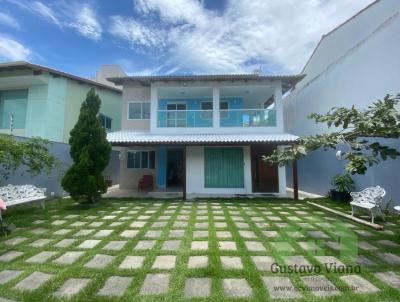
(128, 137)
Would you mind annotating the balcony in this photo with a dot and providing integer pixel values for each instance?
(247, 118)
(244, 106)
(184, 118)
(228, 118)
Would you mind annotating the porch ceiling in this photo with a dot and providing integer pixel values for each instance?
(128, 137)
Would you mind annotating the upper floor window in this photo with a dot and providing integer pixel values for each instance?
(13, 106)
(138, 110)
(106, 121)
(176, 106)
(141, 159)
(206, 109)
(224, 105)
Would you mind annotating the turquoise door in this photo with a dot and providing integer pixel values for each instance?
(223, 167)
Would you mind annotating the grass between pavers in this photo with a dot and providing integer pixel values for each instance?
(25, 216)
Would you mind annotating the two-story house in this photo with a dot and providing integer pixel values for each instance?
(36, 100)
(203, 135)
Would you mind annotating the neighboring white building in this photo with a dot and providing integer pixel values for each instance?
(203, 135)
(355, 64)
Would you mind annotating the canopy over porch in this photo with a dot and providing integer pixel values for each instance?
(123, 138)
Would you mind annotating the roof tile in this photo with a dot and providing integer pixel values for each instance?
(124, 137)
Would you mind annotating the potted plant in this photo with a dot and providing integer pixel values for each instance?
(342, 184)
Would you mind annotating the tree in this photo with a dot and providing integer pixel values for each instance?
(31, 154)
(358, 130)
(90, 152)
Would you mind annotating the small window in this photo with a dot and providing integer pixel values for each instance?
(224, 106)
(131, 160)
(152, 159)
(176, 106)
(180, 106)
(141, 159)
(146, 111)
(135, 111)
(139, 111)
(171, 106)
(144, 160)
(207, 105)
(137, 160)
(106, 121)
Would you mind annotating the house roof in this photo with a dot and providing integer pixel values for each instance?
(37, 69)
(287, 80)
(130, 137)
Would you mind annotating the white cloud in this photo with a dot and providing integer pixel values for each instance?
(7, 19)
(174, 11)
(278, 35)
(79, 16)
(134, 32)
(12, 50)
(85, 21)
(45, 12)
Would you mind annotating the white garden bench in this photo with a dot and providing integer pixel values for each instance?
(369, 199)
(15, 195)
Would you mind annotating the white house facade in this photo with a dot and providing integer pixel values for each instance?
(203, 135)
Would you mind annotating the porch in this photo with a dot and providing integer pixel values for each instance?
(191, 166)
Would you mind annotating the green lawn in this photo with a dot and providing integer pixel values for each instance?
(278, 227)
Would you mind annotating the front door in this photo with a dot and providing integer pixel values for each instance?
(174, 168)
(264, 175)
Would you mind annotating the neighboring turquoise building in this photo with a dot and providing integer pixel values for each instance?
(45, 102)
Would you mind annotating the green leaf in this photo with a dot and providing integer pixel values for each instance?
(354, 128)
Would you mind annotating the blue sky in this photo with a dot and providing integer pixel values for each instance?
(169, 36)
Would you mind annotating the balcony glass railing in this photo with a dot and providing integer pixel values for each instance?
(184, 118)
(248, 118)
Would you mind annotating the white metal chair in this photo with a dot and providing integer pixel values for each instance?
(369, 199)
(15, 195)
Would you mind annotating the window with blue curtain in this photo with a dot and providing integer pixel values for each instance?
(13, 103)
(223, 167)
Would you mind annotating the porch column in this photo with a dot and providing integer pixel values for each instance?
(278, 106)
(295, 181)
(162, 167)
(216, 107)
(282, 176)
(153, 108)
(184, 173)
